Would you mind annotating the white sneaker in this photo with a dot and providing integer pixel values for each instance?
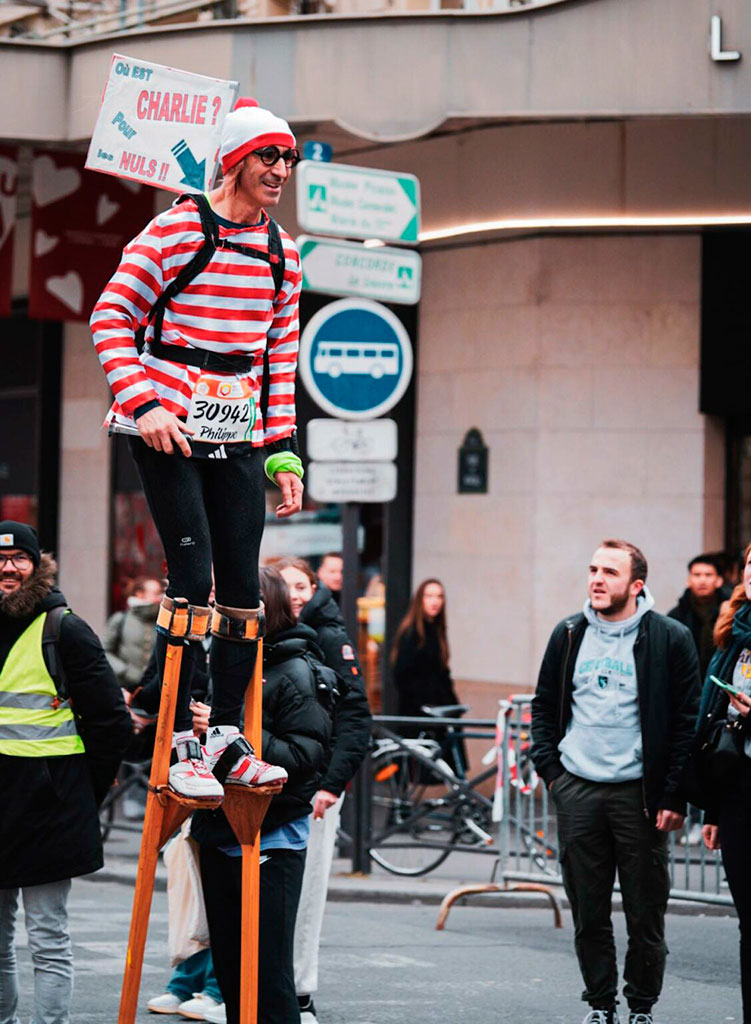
(195, 1008)
(216, 1016)
(307, 1010)
(165, 1003)
(190, 776)
(247, 770)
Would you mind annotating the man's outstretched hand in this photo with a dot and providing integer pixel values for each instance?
(161, 430)
(291, 487)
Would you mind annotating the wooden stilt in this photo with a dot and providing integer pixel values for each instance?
(245, 809)
(165, 811)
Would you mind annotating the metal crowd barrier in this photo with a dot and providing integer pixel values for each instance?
(526, 847)
(695, 872)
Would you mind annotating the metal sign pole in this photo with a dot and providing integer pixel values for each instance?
(351, 558)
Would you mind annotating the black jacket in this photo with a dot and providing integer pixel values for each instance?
(419, 675)
(667, 674)
(684, 612)
(49, 805)
(352, 720)
(296, 734)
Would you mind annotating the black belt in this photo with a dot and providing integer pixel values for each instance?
(211, 361)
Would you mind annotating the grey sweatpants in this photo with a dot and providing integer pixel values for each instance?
(602, 828)
(45, 907)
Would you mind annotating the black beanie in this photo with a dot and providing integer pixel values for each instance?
(21, 536)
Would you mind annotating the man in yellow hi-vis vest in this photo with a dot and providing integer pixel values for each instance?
(59, 754)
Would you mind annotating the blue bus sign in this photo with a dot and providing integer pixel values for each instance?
(355, 359)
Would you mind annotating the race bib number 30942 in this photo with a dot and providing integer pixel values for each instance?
(222, 409)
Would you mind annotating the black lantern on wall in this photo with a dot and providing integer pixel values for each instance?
(473, 464)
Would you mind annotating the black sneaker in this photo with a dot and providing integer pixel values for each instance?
(307, 1010)
(601, 1015)
(640, 1017)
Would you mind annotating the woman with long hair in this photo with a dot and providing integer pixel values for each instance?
(728, 810)
(313, 605)
(420, 656)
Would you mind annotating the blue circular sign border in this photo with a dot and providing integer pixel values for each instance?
(306, 347)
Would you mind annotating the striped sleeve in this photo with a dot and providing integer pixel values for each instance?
(283, 341)
(121, 308)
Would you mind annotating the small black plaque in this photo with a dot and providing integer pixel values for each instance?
(473, 464)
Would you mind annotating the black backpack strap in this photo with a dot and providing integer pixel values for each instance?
(276, 249)
(276, 254)
(190, 271)
(50, 650)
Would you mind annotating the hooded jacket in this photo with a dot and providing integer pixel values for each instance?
(128, 641)
(603, 740)
(352, 719)
(667, 677)
(49, 805)
(296, 734)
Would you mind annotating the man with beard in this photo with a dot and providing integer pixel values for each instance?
(613, 720)
(63, 731)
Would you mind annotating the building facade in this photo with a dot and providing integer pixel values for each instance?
(586, 209)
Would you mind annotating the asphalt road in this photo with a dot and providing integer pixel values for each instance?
(385, 963)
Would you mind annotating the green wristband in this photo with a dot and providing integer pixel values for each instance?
(283, 462)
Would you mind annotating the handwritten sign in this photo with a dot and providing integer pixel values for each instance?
(160, 125)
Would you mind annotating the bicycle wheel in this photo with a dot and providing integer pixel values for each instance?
(413, 821)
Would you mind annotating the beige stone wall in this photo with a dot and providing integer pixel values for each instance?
(578, 359)
(83, 542)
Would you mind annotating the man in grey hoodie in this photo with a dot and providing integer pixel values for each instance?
(613, 720)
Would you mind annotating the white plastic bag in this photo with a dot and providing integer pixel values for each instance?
(188, 927)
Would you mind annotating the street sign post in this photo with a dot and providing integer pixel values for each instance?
(358, 202)
(343, 441)
(355, 359)
(349, 268)
(351, 481)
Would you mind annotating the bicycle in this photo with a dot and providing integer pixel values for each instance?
(423, 809)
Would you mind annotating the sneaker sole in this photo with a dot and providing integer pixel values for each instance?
(255, 785)
(173, 1013)
(199, 799)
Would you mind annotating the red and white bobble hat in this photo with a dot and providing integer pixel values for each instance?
(250, 127)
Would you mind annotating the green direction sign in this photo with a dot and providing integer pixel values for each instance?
(358, 202)
(349, 268)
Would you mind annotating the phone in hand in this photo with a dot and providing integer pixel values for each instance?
(726, 686)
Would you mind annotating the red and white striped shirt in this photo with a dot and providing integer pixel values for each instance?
(228, 308)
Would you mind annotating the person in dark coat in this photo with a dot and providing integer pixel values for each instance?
(314, 605)
(420, 663)
(57, 761)
(296, 735)
(612, 729)
(699, 605)
(727, 818)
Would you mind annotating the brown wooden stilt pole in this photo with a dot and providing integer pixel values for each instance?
(245, 809)
(165, 811)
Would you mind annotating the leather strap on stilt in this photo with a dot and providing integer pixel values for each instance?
(236, 749)
(178, 619)
(244, 625)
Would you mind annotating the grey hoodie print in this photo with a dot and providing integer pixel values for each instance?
(603, 740)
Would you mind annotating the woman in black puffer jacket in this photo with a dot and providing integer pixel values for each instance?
(314, 606)
(297, 736)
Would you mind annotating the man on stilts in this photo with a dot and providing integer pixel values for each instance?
(216, 284)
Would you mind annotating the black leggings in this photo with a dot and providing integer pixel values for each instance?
(735, 840)
(208, 511)
(281, 882)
